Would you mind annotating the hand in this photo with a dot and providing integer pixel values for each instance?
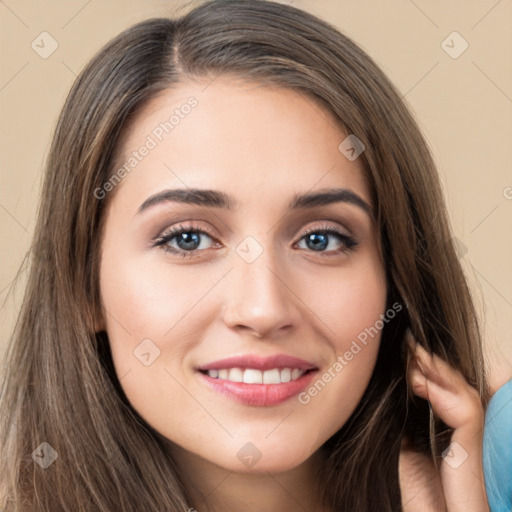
(459, 485)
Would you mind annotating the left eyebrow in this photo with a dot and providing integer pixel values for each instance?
(217, 199)
(329, 196)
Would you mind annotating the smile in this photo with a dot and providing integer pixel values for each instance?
(254, 376)
(258, 381)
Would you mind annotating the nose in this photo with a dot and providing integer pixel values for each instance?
(259, 298)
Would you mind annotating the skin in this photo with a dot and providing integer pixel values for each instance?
(261, 146)
(459, 484)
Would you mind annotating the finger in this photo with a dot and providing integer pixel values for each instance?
(439, 371)
(459, 405)
(456, 402)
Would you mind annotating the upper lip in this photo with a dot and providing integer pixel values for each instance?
(259, 363)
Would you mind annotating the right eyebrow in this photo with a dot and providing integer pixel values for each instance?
(200, 197)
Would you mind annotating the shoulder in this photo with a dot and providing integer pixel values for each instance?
(497, 449)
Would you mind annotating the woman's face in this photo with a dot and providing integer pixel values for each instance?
(254, 275)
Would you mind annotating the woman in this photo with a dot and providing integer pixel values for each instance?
(244, 292)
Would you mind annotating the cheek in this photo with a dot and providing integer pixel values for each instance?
(138, 295)
(147, 313)
(349, 304)
(154, 316)
(352, 307)
(150, 300)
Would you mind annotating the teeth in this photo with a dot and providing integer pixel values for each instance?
(253, 376)
(236, 375)
(286, 375)
(272, 376)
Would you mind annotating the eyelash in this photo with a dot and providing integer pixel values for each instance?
(350, 242)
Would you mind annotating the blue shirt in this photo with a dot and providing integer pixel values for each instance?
(497, 450)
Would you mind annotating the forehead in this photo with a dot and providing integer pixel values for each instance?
(244, 138)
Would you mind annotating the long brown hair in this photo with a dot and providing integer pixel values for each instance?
(60, 386)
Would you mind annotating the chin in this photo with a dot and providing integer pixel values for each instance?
(253, 457)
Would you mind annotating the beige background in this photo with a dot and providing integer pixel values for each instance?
(463, 104)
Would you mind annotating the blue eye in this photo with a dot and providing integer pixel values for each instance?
(188, 240)
(318, 240)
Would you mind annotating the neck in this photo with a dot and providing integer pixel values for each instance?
(212, 488)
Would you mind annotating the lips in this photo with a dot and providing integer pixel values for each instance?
(259, 363)
(255, 380)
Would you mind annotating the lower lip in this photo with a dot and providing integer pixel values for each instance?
(259, 394)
